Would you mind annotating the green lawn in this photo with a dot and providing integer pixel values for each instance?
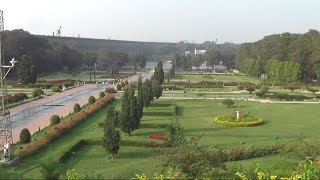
(83, 76)
(216, 78)
(287, 121)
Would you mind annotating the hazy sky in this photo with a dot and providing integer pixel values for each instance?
(163, 20)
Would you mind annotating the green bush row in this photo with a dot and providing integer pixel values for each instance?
(160, 105)
(152, 113)
(154, 126)
(258, 122)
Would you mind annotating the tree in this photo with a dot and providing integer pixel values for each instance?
(147, 93)
(292, 88)
(25, 136)
(312, 90)
(130, 119)
(140, 97)
(228, 102)
(158, 73)
(33, 74)
(156, 89)
(24, 70)
(111, 139)
(250, 89)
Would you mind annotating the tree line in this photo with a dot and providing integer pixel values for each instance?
(301, 50)
(128, 119)
(50, 56)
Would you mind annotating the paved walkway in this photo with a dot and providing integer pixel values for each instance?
(36, 114)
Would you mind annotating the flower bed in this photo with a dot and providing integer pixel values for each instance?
(160, 136)
(245, 121)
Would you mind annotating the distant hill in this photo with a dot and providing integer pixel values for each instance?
(151, 50)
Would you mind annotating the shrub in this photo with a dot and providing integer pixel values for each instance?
(56, 89)
(19, 97)
(55, 119)
(228, 102)
(119, 87)
(76, 108)
(250, 89)
(312, 90)
(25, 136)
(62, 128)
(225, 122)
(101, 94)
(91, 100)
(37, 92)
(111, 90)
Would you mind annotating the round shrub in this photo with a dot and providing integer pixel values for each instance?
(56, 89)
(37, 92)
(55, 119)
(101, 94)
(25, 136)
(91, 100)
(76, 108)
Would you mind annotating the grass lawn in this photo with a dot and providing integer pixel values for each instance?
(83, 76)
(216, 78)
(287, 121)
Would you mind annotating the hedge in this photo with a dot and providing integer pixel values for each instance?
(160, 105)
(144, 125)
(152, 113)
(63, 128)
(259, 122)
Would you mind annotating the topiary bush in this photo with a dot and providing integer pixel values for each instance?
(25, 136)
(55, 119)
(76, 108)
(37, 92)
(101, 94)
(91, 100)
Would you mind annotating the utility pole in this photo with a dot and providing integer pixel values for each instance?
(6, 140)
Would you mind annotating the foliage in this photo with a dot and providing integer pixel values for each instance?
(307, 170)
(219, 121)
(159, 176)
(101, 94)
(50, 170)
(130, 118)
(250, 89)
(251, 67)
(312, 90)
(55, 119)
(299, 49)
(25, 136)
(111, 139)
(76, 108)
(72, 175)
(156, 89)
(91, 100)
(194, 161)
(147, 93)
(63, 128)
(56, 89)
(140, 97)
(228, 102)
(37, 92)
(112, 90)
(158, 73)
(174, 133)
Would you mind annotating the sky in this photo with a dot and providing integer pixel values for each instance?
(236, 21)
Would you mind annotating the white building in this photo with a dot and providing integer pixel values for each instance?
(199, 51)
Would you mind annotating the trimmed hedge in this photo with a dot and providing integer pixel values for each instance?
(160, 105)
(152, 126)
(151, 113)
(258, 122)
(25, 136)
(63, 128)
(55, 119)
(91, 100)
(76, 108)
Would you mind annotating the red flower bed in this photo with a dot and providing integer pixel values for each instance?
(157, 136)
